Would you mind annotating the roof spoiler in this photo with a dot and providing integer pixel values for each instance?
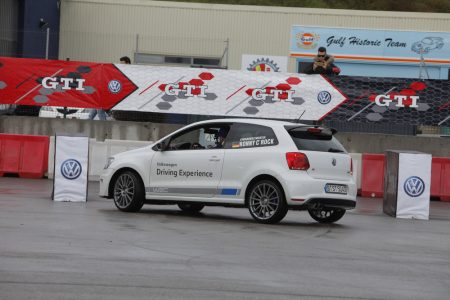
(313, 129)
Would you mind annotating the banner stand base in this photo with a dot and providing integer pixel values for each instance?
(407, 181)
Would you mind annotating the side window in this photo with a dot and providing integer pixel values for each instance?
(250, 136)
(185, 140)
(205, 137)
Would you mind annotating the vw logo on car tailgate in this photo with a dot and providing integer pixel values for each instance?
(414, 186)
(333, 162)
(71, 169)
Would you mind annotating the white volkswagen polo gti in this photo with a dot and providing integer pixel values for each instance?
(267, 166)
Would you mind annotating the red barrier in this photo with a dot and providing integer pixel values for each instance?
(372, 176)
(440, 178)
(26, 155)
(436, 170)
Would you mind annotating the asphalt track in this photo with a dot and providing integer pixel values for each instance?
(92, 251)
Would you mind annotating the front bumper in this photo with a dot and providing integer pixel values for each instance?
(105, 179)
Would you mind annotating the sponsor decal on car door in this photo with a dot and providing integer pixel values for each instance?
(186, 173)
(191, 164)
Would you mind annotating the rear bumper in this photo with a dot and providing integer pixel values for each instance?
(335, 203)
(303, 190)
(325, 202)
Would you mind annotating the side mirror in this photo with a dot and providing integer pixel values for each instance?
(161, 146)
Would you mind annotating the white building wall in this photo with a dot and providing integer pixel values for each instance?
(105, 30)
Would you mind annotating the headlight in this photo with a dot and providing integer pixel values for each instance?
(109, 162)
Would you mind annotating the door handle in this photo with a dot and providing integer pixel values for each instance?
(214, 158)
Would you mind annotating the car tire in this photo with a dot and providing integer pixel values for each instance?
(191, 208)
(326, 215)
(128, 192)
(266, 202)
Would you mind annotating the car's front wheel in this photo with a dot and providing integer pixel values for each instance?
(266, 202)
(191, 208)
(326, 215)
(128, 192)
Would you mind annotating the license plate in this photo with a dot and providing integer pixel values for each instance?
(336, 189)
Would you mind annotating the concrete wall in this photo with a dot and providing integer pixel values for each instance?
(143, 131)
(100, 130)
(378, 143)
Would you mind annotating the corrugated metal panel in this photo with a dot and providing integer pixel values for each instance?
(9, 14)
(104, 30)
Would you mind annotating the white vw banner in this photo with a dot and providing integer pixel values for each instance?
(71, 168)
(229, 93)
(414, 181)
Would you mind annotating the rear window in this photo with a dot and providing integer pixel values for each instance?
(250, 136)
(321, 140)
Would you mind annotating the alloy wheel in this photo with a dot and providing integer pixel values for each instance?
(124, 191)
(264, 201)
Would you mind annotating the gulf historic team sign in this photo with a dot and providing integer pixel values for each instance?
(166, 89)
(371, 44)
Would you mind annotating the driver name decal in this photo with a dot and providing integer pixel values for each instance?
(256, 141)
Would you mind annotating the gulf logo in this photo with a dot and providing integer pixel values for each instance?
(307, 40)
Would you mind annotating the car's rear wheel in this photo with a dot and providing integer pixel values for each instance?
(326, 214)
(191, 208)
(266, 202)
(128, 192)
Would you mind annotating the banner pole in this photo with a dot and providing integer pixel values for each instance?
(47, 43)
(137, 43)
(227, 49)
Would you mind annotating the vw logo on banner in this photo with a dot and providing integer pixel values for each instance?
(324, 97)
(71, 169)
(114, 86)
(414, 186)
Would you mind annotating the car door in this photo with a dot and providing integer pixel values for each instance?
(190, 165)
(249, 149)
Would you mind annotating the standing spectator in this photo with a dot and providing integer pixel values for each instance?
(100, 112)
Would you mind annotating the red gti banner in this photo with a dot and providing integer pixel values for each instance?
(62, 83)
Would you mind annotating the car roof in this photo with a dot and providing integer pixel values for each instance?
(265, 122)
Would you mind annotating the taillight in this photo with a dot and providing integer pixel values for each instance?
(297, 161)
(351, 166)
